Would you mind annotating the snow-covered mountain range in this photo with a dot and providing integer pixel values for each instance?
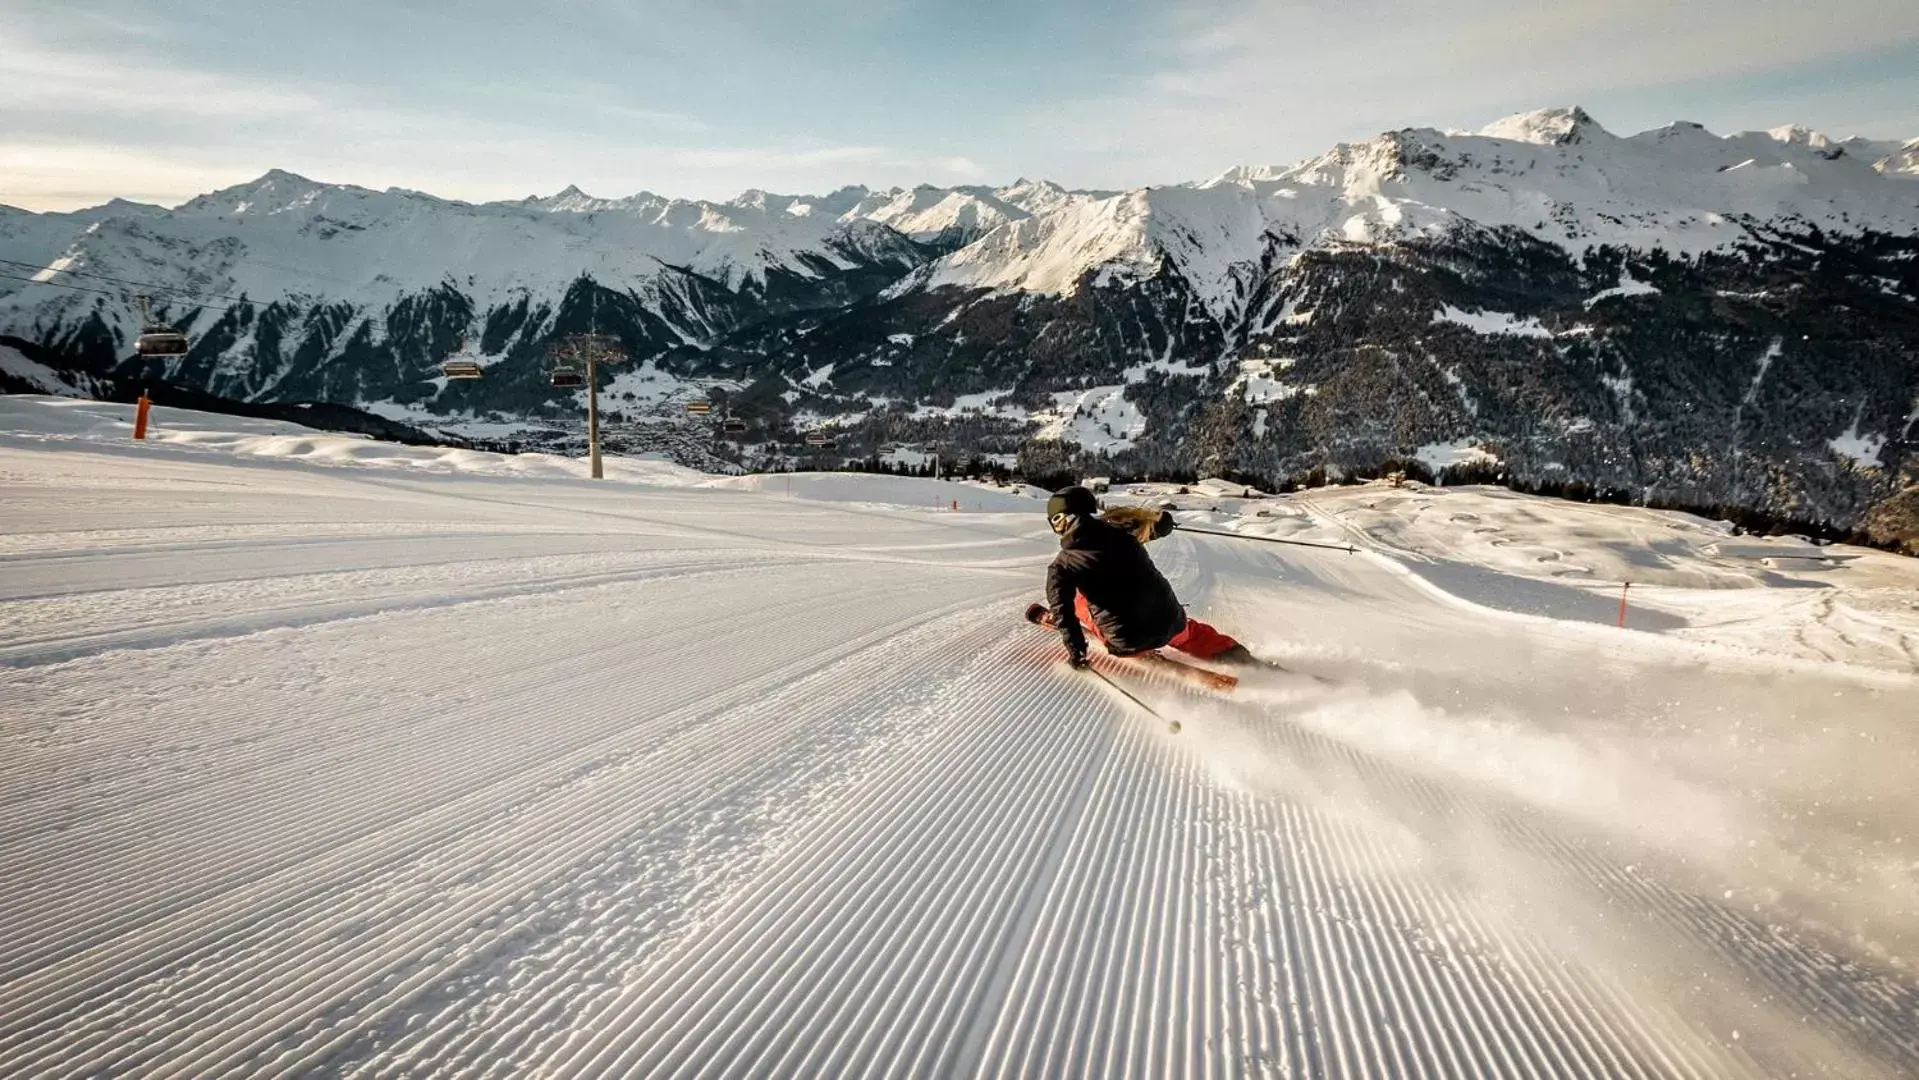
(1677, 315)
(1555, 175)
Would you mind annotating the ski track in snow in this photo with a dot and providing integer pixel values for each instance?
(314, 774)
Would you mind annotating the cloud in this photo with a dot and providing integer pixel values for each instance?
(1472, 45)
(153, 101)
(963, 167)
(167, 131)
(596, 102)
(42, 79)
(1237, 80)
(771, 159)
(52, 175)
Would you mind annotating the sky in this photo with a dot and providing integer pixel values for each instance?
(162, 100)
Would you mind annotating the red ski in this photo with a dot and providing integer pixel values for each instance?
(1189, 673)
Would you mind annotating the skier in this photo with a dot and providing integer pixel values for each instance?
(1102, 580)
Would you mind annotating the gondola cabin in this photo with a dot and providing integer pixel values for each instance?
(460, 369)
(698, 408)
(821, 439)
(160, 341)
(567, 378)
(733, 427)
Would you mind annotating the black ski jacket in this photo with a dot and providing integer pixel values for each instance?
(1132, 605)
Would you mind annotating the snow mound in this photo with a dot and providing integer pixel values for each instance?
(1492, 322)
(1862, 450)
(43, 418)
(1439, 457)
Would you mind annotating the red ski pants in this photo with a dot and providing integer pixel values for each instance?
(1197, 639)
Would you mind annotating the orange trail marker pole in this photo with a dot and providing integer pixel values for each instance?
(1623, 586)
(140, 416)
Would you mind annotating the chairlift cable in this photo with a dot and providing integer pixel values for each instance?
(222, 309)
(62, 285)
(128, 281)
(250, 259)
(154, 339)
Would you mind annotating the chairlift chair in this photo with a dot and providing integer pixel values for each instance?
(461, 369)
(160, 340)
(157, 339)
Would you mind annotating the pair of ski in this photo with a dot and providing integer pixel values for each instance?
(1191, 674)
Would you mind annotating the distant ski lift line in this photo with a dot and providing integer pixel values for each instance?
(154, 339)
(215, 308)
(307, 272)
(150, 285)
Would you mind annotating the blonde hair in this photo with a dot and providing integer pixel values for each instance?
(1141, 521)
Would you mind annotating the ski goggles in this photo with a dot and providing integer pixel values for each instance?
(1059, 522)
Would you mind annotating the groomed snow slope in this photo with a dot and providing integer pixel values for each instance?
(331, 771)
(1781, 598)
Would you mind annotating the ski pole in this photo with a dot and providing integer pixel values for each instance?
(1347, 548)
(1171, 725)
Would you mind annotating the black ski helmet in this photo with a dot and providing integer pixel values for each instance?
(1071, 500)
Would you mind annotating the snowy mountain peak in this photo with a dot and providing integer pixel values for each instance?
(1889, 156)
(279, 182)
(128, 206)
(282, 176)
(843, 200)
(1547, 127)
(1903, 163)
(1795, 135)
(1554, 173)
(274, 191)
(1024, 186)
(571, 200)
(965, 213)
